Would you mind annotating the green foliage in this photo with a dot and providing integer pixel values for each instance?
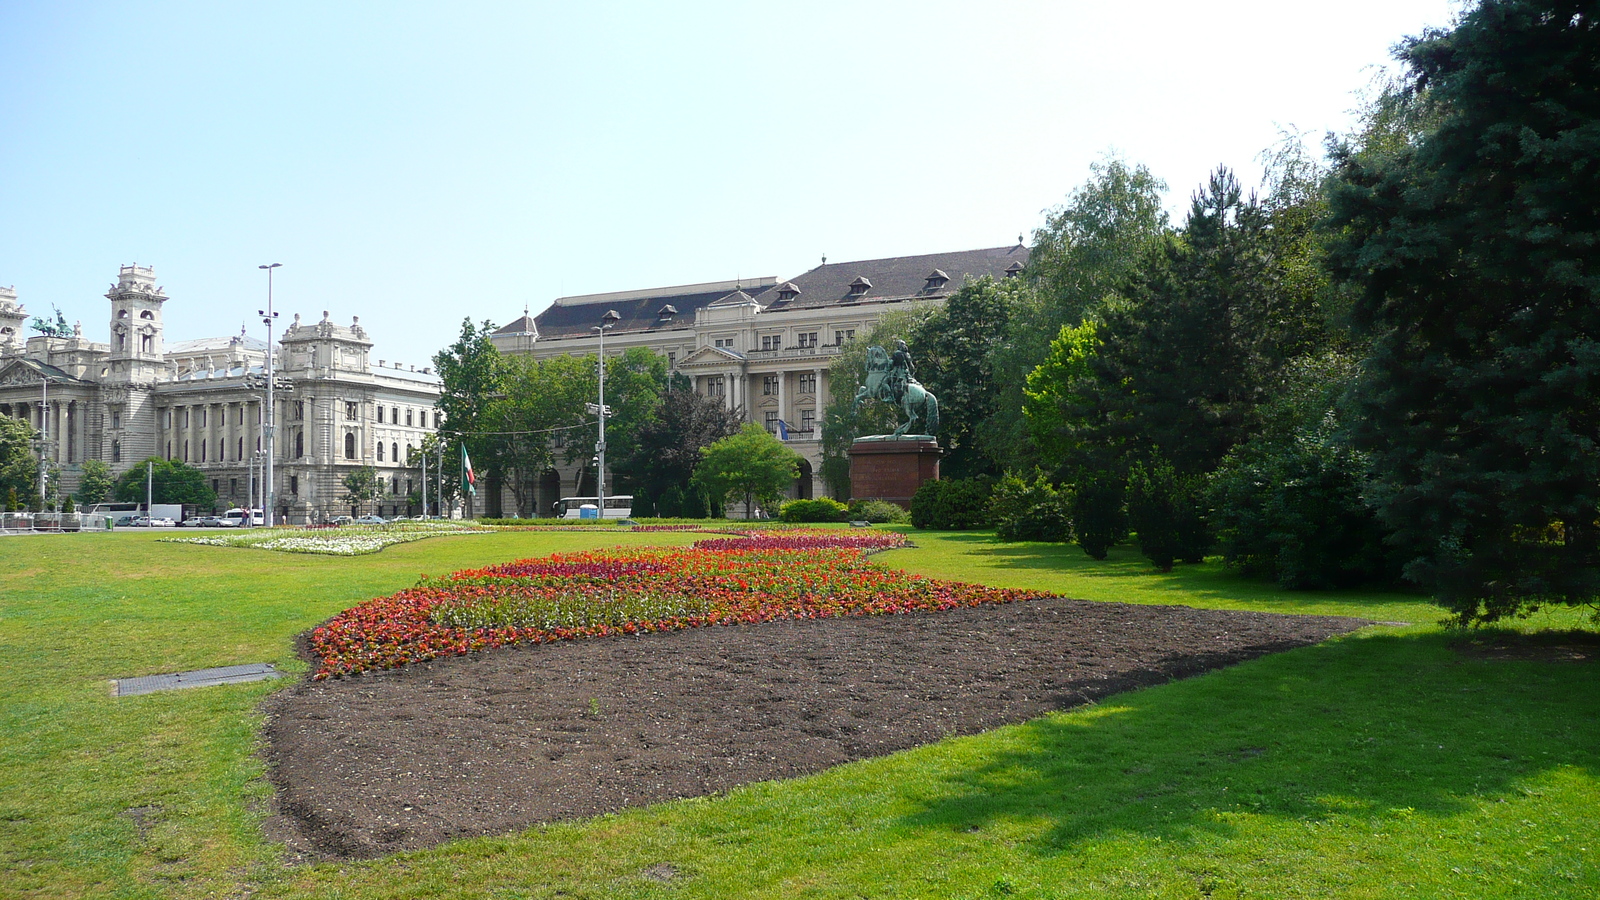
(841, 424)
(1472, 244)
(1029, 510)
(1167, 514)
(666, 447)
(363, 486)
(95, 482)
(67, 506)
(751, 465)
(472, 373)
(878, 512)
(171, 481)
(952, 504)
(19, 469)
(1095, 504)
(822, 509)
(954, 349)
(1288, 504)
(1050, 394)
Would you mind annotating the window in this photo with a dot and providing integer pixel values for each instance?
(350, 446)
(808, 382)
(772, 342)
(842, 335)
(202, 451)
(380, 450)
(808, 420)
(408, 451)
(394, 487)
(436, 412)
(726, 343)
(122, 341)
(350, 410)
(769, 384)
(215, 486)
(202, 417)
(408, 418)
(394, 415)
(672, 362)
(380, 415)
(394, 452)
(146, 343)
(294, 484)
(299, 410)
(116, 451)
(185, 451)
(241, 450)
(186, 417)
(772, 423)
(299, 444)
(233, 485)
(238, 415)
(715, 387)
(806, 339)
(147, 315)
(116, 420)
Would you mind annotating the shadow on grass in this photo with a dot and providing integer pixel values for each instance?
(1371, 727)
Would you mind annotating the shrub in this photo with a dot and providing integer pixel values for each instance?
(1029, 511)
(879, 512)
(1095, 507)
(1167, 513)
(952, 504)
(822, 509)
(67, 506)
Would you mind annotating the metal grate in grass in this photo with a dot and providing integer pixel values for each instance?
(149, 684)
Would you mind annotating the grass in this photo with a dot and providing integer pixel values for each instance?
(1386, 764)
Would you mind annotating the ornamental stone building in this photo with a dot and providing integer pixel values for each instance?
(200, 401)
(763, 346)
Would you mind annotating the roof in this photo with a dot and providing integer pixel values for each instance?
(217, 343)
(641, 311)
(892, 278)
(46, 370)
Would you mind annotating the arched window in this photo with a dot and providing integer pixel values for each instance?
(350, 446)
(380, 451)
(394, 452)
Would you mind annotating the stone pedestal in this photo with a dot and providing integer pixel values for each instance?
(892, 468)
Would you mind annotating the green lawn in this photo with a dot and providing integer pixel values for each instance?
(1386, 764)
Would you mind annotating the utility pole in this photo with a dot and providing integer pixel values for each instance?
(606, 321)
(267, 315)
(424, 481)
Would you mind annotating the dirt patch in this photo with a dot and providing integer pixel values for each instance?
(496, 742)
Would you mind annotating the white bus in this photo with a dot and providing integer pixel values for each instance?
(618, 506)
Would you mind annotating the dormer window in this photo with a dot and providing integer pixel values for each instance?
(860, 286)
(788, 291)
(936, 280)
(667, 312)
(1014, 269)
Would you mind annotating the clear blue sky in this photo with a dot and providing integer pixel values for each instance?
(416, 163)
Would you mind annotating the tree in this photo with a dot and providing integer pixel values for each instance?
(752, 465)
(95, 482)
(667, 448)
(363, 486)
(171, 481)
(1472, 246)
(954, 348)
(842, 421)
(19, 469)
(472, 373)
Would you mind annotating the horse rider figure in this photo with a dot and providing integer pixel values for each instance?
(902, 372)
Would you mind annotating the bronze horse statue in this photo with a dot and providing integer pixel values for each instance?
(891, 384)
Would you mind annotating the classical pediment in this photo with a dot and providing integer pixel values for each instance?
(710, 357)
(23, 372)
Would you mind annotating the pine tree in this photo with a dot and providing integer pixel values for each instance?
(1474, 246)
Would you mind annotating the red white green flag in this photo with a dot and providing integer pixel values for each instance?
(469, 478)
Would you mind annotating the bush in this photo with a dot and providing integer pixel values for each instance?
(952, 504)
(820, 510)
(1293, 512)
(1167, 514)
(1095, 506)
(878, 512)
(1029, 511)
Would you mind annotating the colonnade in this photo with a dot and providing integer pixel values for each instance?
(66, 422)
(220, 432)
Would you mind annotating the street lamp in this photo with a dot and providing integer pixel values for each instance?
(606, 321)
(267, 315)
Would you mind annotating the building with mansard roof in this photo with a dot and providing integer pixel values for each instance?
(762, 345)
(199, 401)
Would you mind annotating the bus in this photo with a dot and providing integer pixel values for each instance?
(618, 506)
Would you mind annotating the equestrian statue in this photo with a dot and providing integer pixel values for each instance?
(892, 379)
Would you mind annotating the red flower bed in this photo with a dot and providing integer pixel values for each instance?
(736, 581)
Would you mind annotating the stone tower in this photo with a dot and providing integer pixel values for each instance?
(136, 326)
(12, 318)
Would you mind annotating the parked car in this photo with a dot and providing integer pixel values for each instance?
(197, 522)
(161, 522)
(340, 520)
(371, 520)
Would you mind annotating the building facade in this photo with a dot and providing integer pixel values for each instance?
(202, 402)
(763, 346)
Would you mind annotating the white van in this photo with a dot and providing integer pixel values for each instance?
(236, 518)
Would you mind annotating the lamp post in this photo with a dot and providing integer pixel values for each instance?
(44, 437)
(606, 321)
(269, 493)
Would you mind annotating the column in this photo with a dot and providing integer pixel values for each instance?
(783, 397)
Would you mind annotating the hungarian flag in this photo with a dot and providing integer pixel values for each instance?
(469, 478)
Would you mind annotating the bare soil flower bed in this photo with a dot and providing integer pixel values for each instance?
(494, 742)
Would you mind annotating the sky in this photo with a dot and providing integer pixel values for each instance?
(416, 164)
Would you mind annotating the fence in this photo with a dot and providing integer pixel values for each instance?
(21, 522)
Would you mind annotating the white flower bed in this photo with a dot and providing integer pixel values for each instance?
(346, 541)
